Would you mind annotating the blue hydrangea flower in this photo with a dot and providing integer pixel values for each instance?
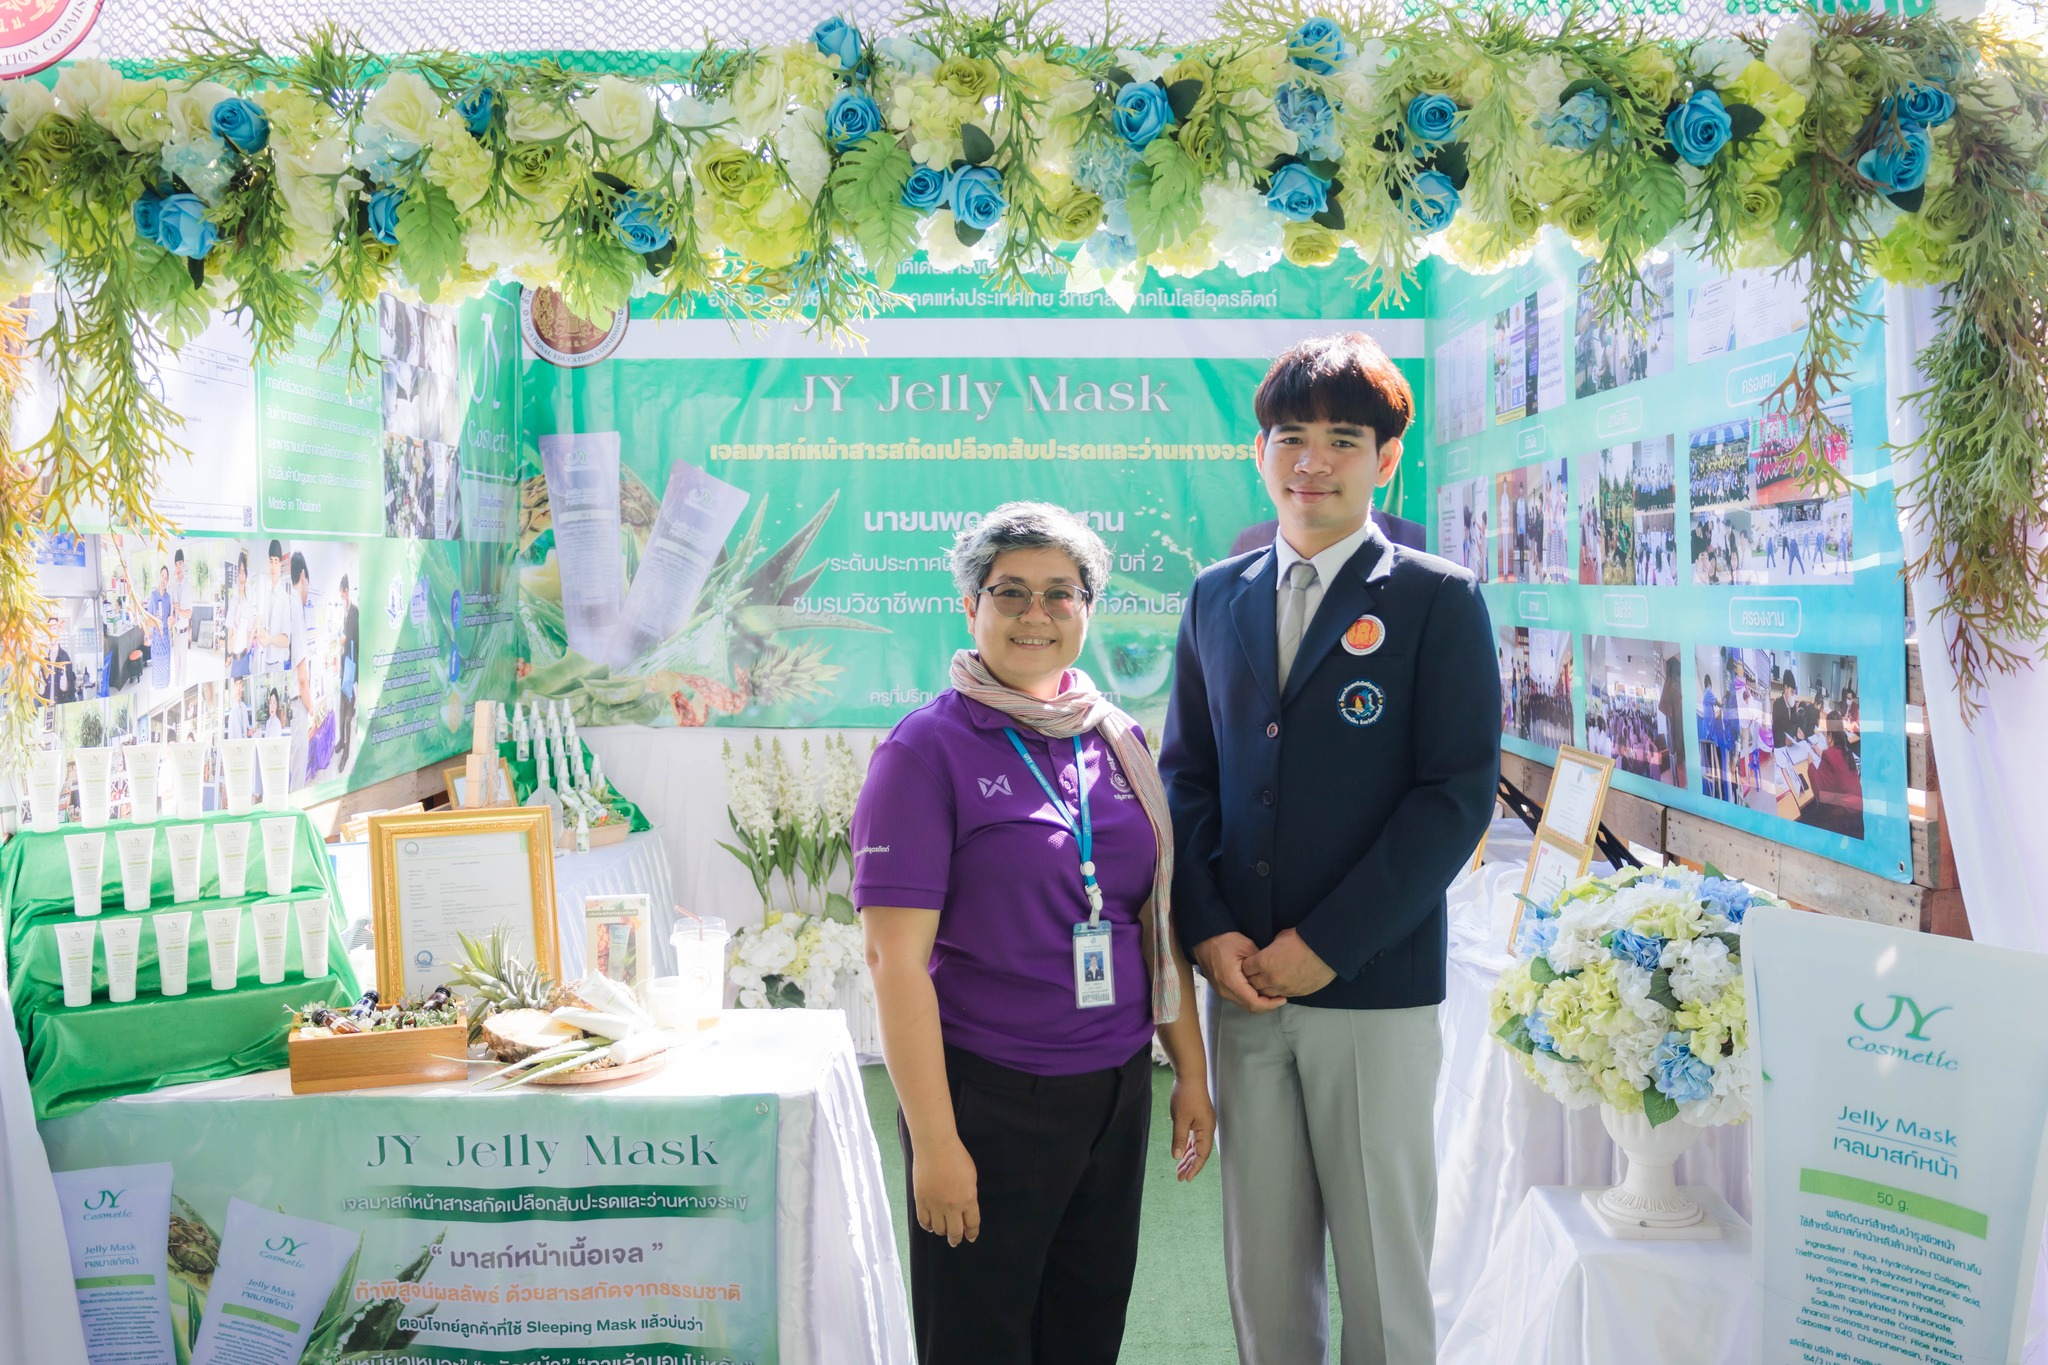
(1298, 193)
(1681, 1077)
(241, 122)
(850, 118)
(1535, 936)
(925, 190)
(1112, 250)
(1699, 128)
(1435, 202)
(839, 40)
(1432, 118)
(384, 215)
(181, 226)
(1727, 898)
(382, 153)
(977, 196)
(1142, 112)
(1644, 950)
(1539, 1031)
(1930, 106)
(476, 109)
(638, 225)
(203, 164)
(1898, 163)
(1580, 123)
(1306, 112)
(1102, 166)
(1318, 45)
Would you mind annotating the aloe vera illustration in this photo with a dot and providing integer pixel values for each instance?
(371, 1331)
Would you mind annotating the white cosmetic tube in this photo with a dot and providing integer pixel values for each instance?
(188, 770)
(122, 936)
(145, 764)
(117, 1220)
(185, 843)
(95, 767)
(280, 843)
(74, 960)
(45, 781)
(88, 856)
(231, 858)
(274, 757)
(224, 946)
(173, 949)
(137, 850)
(272, 919)
(312, 917)
(238, 771)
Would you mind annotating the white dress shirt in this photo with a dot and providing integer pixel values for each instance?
(1327, 564)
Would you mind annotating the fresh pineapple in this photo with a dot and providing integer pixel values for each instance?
(509, 1000)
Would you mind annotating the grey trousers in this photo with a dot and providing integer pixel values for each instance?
(1324, 1120)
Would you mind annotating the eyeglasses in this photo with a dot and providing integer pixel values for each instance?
(1061, 602)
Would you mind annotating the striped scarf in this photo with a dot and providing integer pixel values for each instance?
(1074, 713)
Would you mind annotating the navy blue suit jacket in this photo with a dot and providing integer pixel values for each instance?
(1344, 807)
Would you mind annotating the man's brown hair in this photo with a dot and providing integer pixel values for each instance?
(1345, 378)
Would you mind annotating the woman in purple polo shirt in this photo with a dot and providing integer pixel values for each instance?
(1012, 855)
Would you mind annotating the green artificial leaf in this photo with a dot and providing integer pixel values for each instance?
(1579, 86)
(1182, 95)
(196, 267)
(1660, 989)
(1657, 196)
(429, 238)
(1165, 200)
(975, 144)
(1326, 169)
(1119, 77)
(840, 909)
(1541, 972)
(1332, 216)
(1908, 200)
(1658, 1107)
(1709, 870)
(1515, 1033)
(1452, 161)
(1743, 121)
(867, 192)
(968, 236)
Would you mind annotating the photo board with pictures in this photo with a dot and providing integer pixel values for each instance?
(1667, 596)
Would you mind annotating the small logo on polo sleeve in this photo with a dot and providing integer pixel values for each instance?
(871, 848)
(995, 786)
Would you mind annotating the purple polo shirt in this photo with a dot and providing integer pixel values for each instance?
(951, 820)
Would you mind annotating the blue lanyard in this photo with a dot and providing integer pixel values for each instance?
(1082, 829)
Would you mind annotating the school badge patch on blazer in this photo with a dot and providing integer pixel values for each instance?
(1365, 635)
(1362, 702)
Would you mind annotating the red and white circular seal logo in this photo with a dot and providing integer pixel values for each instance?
(39, 33)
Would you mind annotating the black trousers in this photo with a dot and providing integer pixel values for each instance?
(1060, 1175)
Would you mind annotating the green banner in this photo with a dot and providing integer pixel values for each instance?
(527, 1227)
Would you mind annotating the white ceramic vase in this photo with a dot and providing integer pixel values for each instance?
(1648, 1204)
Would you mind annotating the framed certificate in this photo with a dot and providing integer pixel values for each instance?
(1578, 793)
(441, 874)
(1554, 864)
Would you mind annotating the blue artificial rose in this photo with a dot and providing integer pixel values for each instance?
(1305, 112)
(977, 196)
(1317, 46)
(1298, 193)
(1432, 118)
(638, 225)
(181, 226)
(242, 123)
(1539, 1031)
(925, 190)
(1930, 106)
(1142, 112)
(840, 40)
(1580, 123)
(1644, 950)
(1898, 163)
(476, 110)
(1680, 1076)
(149, 213)
(384, 215)
(1699, 128)
(851, 116)
(1435, 202)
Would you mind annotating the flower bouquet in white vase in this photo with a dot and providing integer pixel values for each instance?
(1627, 993)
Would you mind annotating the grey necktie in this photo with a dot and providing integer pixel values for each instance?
(1301, 576)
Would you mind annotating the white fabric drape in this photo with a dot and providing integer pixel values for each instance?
(37, 1320)
(1993, 803)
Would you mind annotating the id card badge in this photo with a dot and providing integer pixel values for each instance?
(1094, 975)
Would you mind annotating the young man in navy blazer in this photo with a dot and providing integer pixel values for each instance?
(1330, 758)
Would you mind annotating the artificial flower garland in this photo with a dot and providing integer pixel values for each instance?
(794, 181)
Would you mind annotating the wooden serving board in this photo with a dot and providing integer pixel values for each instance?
(603, 1075)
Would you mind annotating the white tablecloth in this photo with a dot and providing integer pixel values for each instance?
(1497, 1135)
(840, 1283)
(638, 863)
(1559, 1291)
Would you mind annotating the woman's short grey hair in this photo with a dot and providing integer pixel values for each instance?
(1028, 526)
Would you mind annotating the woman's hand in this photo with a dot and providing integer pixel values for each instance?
(1194, 1125)
(943, 1177)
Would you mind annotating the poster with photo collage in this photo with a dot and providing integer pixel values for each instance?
(1664, 590)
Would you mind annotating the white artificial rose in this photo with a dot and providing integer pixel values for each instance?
(406, 107)
(1545, 83)
(458, 163)
(1790, 54)
(28, 103)
(138, 116)
(310, 181)
(618, 113)
(759, 97)
(687, 111)
(191, 110)
(1717, 61)
(1144, 66)
(801, 140)
(528, 119)
(87, 89)
(1370, 56)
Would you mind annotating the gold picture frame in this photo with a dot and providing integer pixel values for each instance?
(439, 873)
(1576, 771)
(459, 772)
(1549, 858)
